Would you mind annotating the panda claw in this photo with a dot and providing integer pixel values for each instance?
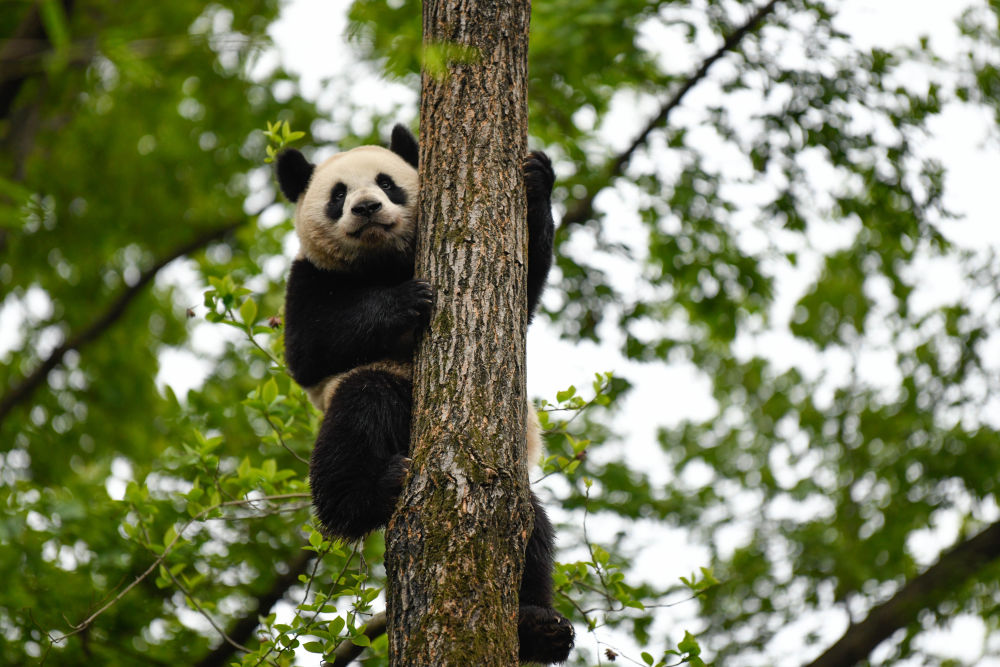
(416, 299)
(395, 473)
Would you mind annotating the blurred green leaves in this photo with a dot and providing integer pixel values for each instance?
(777, 234)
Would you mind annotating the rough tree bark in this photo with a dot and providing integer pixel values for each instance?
(455, 547)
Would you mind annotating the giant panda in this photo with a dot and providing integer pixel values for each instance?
(352, 310)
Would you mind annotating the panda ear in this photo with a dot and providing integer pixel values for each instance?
(404, 144)
(294, 172)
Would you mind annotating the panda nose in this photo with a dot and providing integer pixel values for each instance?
(366, 208)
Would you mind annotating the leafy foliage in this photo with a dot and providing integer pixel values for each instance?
(780, 228)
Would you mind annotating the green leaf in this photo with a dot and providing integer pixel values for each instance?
(566, 394)
(270, 391)
(14, 190)
(248, 312)
(689, 644)
(314, 647)
(439, 56)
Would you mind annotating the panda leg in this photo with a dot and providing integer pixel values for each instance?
(359, 461)
(538, 180)
(545, 635)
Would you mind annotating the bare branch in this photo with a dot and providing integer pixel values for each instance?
(583, 209)
(208, 617)
(954, 568)
(23, 391)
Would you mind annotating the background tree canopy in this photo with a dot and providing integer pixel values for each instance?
(748, 193)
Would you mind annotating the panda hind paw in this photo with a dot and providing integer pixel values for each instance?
(545, 635)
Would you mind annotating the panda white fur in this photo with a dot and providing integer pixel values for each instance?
(352, 312)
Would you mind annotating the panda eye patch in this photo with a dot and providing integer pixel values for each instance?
(335, 205)
(395, 193)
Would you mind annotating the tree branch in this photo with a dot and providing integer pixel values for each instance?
(347, 651)
(22, 392)
(925, 591)
(583, 209)
(242, 630)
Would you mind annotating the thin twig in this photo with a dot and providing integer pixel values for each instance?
(619, 653)
(559, 469)
(583, 612)
(249, 325)
(562, 429)
(274, 512)
(84, 624)
(590, 548)
(222, 633)
(308, 624)
(281, 439)
(243, 628)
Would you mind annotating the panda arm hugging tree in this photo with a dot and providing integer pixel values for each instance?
(353, 312)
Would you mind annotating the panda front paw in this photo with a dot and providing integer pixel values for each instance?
(544, 634)
(416, 297)
(538, 175)
(395, 474)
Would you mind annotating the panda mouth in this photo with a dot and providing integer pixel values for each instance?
(372, 229)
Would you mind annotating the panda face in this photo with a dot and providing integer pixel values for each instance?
(358, 211)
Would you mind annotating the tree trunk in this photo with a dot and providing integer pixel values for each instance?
(455, 547)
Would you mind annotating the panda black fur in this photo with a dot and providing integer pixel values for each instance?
(352, 312)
